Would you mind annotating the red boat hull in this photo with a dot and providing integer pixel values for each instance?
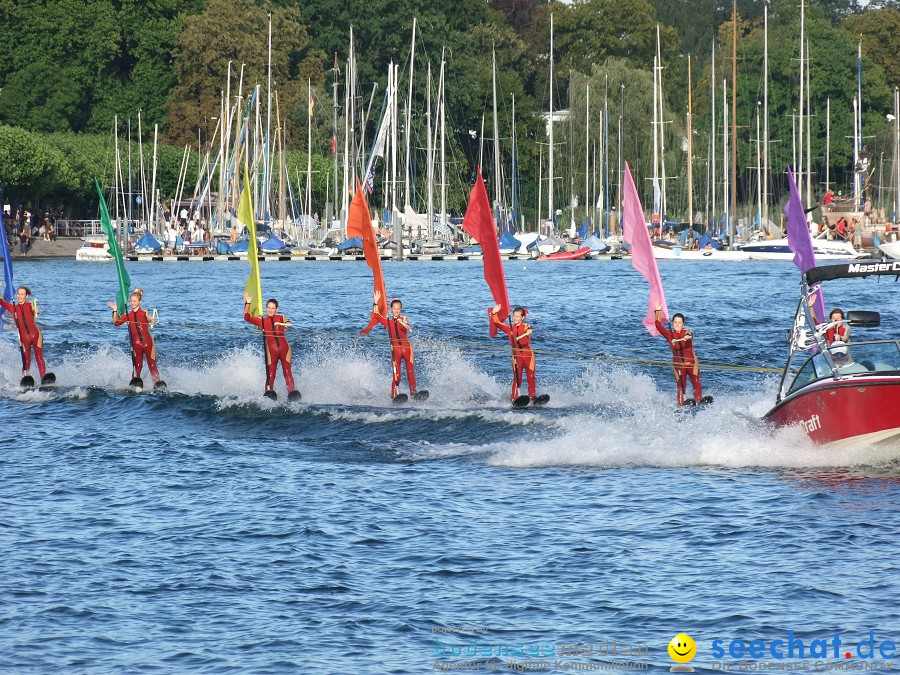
(568, 255)
(845, 412)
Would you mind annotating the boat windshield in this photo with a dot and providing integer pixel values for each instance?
(862, 358)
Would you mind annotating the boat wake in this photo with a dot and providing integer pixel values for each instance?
(606, 417)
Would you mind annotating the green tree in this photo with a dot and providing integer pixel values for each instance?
(879, 31)
(237, 32)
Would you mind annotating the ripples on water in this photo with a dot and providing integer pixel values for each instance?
(208, 529)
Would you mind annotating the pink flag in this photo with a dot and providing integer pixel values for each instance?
(642, 251)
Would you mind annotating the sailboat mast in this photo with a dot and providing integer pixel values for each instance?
(896, 154)
(690, 151)
(712, 104)
(442, 114)
(827, 144)
(604, 152)
(733, 120)
(118, 167)
(809, 167)
(308, 156)
(151, 227)
(267, 180)
(656, 195)
(765, 157)
(334, 152)
(515, 167)
(412, 63)
(725, 201)
(587, 163)
(860, 179)
(429, 148)
(498, 184)
(800, 173)
(662, 138)
(759, 178)
(550, 211)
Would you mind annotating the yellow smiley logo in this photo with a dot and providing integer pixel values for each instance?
(682, 648)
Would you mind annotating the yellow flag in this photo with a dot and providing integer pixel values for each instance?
(245, 216)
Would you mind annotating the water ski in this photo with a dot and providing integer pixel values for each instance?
(136, 383)
(48, 379)
(271, 395)
(27, 381)
(521, 401)
(294, 396)
(400, 399)
(420, 396)
(541, 400)
(690, 406)
(160, 386)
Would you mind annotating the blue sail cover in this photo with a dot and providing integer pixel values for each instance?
(595, 244)
(352, 242)
(272, 245)
(240, 246)
(584, 230)
(507, 240)
(707, 240)
(683, 237)
(148, 244)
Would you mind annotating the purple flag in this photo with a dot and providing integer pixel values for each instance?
(800, 240)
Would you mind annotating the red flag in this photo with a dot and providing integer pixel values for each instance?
(333, 144)
(359, 224)
(635, 230)
(479, 224)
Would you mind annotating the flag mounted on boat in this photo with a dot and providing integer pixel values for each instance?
(245, 218)
(479, 224)
(636, 234)
(116, 252)
(359, 224)
(800, 240)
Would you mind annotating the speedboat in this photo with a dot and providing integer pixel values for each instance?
(778, 249)
(840, 395)
(94, 249)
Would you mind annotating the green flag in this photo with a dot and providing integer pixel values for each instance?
(116, 253)
(245, 216)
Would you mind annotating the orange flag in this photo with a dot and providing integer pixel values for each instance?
(359, 224)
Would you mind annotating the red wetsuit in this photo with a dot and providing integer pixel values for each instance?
(30, 337)
(839, 332)
(685, 362)
(523, 354)
(277, 348)
(142, 345)
(401, 350)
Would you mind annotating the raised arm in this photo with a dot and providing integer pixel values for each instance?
(496, 322)
(659, 324)
(249, 318)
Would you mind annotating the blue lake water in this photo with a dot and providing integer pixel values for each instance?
(208, 529)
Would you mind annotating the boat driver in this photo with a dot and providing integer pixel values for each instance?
(840, 354)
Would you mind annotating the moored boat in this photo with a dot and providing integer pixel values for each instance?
(94, 249)
(578, 254)
(778, 249)
(840, 395)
